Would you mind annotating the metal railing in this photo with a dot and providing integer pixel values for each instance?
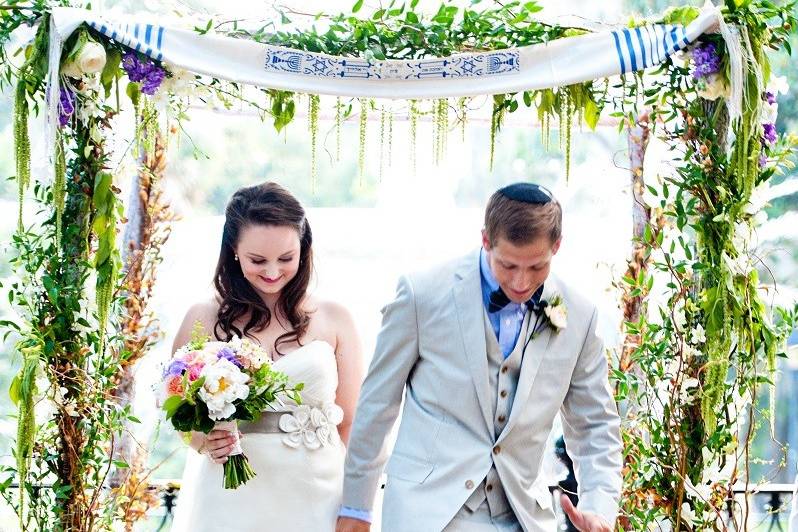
(774, 508)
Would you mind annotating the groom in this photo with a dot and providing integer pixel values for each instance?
(486, 350)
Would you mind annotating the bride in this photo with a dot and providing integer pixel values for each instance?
(261, 280)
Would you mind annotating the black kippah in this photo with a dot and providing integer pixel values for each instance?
(527, 193)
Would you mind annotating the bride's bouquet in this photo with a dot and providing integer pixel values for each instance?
(209, 384)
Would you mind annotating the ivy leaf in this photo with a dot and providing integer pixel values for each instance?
(591, 114)
(357, 6)
(113, 58)
(133, 92)
(171, 405)
(14, 390)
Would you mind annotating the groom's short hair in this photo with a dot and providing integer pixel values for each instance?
(521, 222)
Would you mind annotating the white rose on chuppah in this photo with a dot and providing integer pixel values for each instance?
(713, 87)
(778, 85)
(89, 59)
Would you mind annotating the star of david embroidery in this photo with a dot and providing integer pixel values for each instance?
(319, 65)
(468, 66)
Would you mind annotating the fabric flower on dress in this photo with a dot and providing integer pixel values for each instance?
(312, 427)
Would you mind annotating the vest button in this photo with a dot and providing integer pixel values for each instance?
(505, 369)
(497, 449)
(502, 419)
(489, 487)
(503, 393)
(469, 484)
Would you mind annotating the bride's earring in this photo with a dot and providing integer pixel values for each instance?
(236, 257)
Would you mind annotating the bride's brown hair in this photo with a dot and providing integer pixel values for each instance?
(268, 204)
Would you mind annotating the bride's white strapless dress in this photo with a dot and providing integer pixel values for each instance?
(299, 472)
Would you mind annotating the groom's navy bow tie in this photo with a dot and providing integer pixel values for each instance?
(499, 300)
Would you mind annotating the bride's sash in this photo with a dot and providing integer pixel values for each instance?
(269, 423)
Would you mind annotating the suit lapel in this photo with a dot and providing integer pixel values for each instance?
(468, 302)
(533, 357)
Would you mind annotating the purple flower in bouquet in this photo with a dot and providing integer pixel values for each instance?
(763, 160)
(176, 367)
(769, 135)
(229, 355)
(706, 60)
(66, 106)
(145, 70)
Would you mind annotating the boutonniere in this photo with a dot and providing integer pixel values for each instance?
(556, 313)
(552, 312)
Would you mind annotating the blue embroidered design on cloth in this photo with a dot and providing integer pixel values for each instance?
(459, 66)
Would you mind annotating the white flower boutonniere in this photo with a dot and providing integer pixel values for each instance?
(557, 313)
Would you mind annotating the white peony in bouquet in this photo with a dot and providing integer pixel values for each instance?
(209, 385)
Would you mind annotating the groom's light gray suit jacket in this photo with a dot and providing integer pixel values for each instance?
(432, 348)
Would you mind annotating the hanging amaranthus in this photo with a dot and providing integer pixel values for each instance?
(566, 112)
(22, 144)
(28, 76)
(338, 120)
(413, 130)
(23, 390)
(313, 126)
(463, 112)
(382, 139)
(390, 138)
(361, 158)
(496, 119)
(106, 260)
(441, 119)
(59, 187)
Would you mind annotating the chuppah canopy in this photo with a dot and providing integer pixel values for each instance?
(557, 63)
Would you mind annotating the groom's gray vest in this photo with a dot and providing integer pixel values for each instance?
(503, 379)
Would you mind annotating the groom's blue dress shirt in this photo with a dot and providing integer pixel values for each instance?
(507, 322)
(506, 325)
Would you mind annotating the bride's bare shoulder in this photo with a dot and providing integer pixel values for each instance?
(332, 313)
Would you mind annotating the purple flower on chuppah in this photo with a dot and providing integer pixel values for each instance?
(66, 105)
(769, 135)
(145, 70)
(706, 60)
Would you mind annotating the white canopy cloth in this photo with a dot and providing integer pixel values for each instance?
(560, 62)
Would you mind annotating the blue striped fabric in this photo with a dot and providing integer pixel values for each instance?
(646, 46)
(146, 38)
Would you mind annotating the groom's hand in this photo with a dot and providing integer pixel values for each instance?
(584, 521)
(347, 524)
